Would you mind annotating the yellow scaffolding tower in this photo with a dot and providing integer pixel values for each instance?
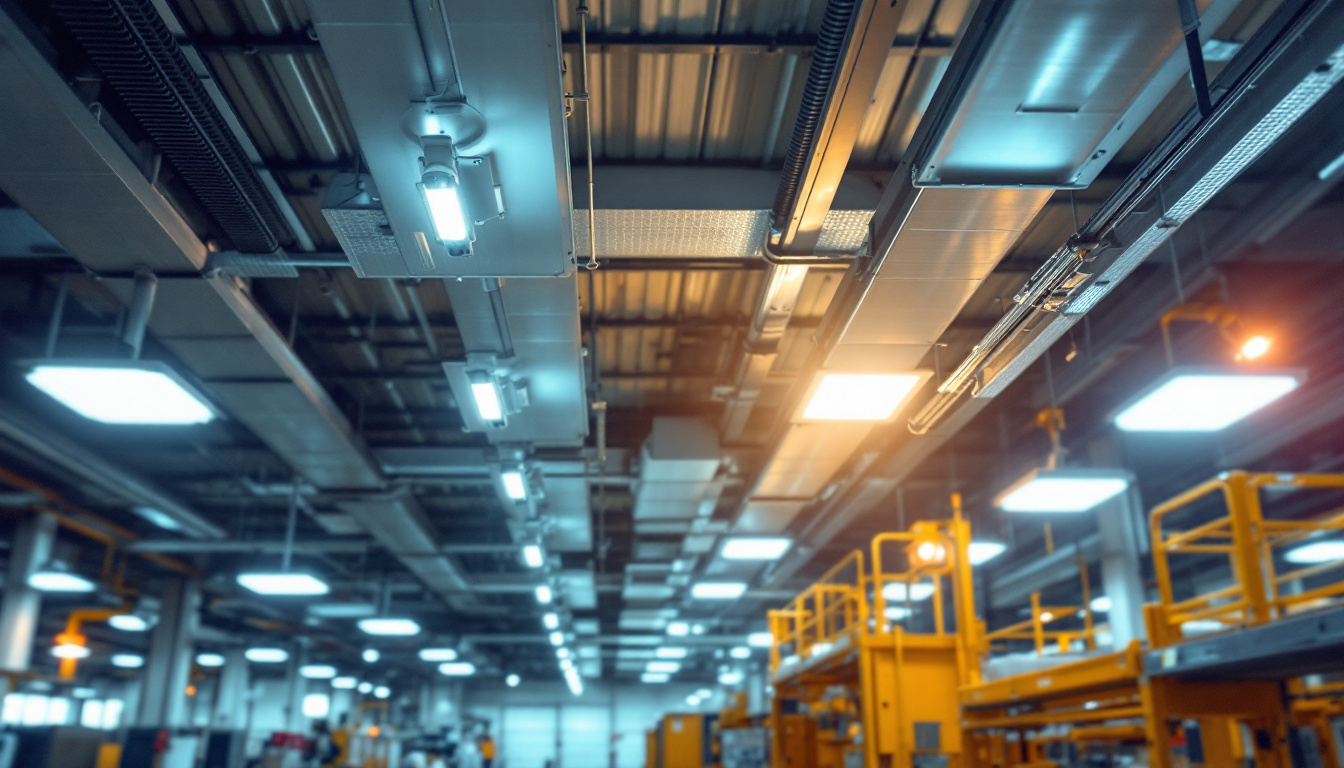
(837, 651)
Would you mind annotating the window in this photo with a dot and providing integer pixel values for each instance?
(58, 711)
(104, 715)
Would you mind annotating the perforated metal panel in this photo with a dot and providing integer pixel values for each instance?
(706, 234)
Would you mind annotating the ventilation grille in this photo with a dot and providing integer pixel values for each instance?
(142, 63)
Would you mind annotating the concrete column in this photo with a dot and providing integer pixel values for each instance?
(296, 687)
(21, 604)
(163, 701)
(231, 698)
(1123, 547)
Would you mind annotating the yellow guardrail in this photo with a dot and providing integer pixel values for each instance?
(1249, 541)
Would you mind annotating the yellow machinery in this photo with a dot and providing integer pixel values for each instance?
(1108, 700)
(685, 741)
(849, 677)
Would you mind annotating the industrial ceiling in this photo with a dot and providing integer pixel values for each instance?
(998, 199)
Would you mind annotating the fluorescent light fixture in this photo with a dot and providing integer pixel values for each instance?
(1331, 168)
(84, 693)
(209, 660)
(533, 556)
(158, 517)
(70, 651)
(316, 705)
(678, 629)
(128, 660)
(731, 677)
(445, 209)
(371, 655)
(667, 667)
(671, 653)
(1316, 552)
(899, 591)
(566, 664)
(754, 548)
(457, 669)
(654, 677)
(718, 590)
(897, 613)
(1063, 490)
(859, 396)
(545, 595)
(575, 684)
(1201, 626)
(122, 392)
(489, 400)
(760, 639)
(740, 652)
(551, 621)
(981, 552)
(693, 700)
(365, 688)
(128, 622)
(515, 486)
(562, 654)
(54, 580)
(344, 683)
(1205, 399)
(382, 692)
(317, 671)
(557, 638)
(283, 584)
(389, 627)
(1100, 604)
(438, 654)
(266, 655)
(512, 681)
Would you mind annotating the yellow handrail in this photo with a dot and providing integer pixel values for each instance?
(1249, 541)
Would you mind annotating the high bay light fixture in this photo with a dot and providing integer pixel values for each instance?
(441, 190)
(755, 548)
(122, 391)
(1205, 398)
(1069, 490)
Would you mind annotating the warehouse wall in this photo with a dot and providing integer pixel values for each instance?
(539, 722)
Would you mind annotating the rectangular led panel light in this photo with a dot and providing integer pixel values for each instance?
(671, 653)
(663, 667)
(896, 591)
(1316, 552)
(122, 391)
(718, 590)
(283, 584)
(754, 548)
(1063, 490)
(545, 595)
(457, 669)
(438, 654)
(760, 640)
(981, 552)
(1205, 399)
(390, 627)
(654, 677)
(860, 396)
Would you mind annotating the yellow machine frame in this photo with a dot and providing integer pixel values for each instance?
(835, 634)
(1111, 688)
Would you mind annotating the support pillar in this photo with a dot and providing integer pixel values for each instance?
(296, 687)
(1120, 521)
(21, 604)
(163, 699)
(231, 698)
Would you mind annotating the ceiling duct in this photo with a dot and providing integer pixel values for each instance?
(677, 465)
(940, 231)
(490, 75)
(480, 81)
(135, 51)
(1271, 84)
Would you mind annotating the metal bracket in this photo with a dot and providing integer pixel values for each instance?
(1199, 79)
